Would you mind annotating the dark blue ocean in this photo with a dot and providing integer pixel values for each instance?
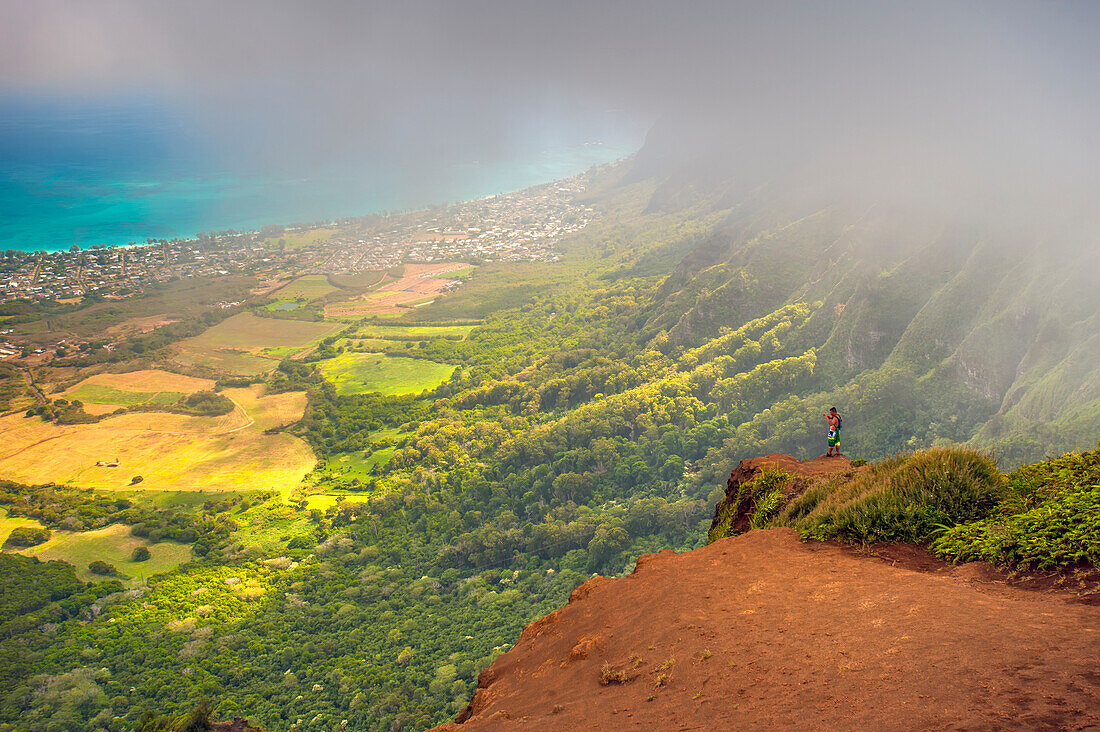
(90, 172)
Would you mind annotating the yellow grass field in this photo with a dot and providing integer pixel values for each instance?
(170, 451)
(150, 380)
(236, 344)
(325, 501)
(112, 544)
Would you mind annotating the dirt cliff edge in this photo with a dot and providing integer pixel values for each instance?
(761, 631)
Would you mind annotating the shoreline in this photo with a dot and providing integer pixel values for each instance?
(11, 242)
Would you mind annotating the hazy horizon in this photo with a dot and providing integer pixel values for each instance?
(958, 104)
(122, 170)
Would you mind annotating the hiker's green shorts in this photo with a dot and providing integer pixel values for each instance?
(834, 439)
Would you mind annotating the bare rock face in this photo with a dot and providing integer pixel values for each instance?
(761, 631)
(732, 515)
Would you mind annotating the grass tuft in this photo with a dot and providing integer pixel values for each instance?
(611, 675)
(907, 497)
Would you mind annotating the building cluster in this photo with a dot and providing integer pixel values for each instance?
(118, 272)
(521, 226)
(513, 227)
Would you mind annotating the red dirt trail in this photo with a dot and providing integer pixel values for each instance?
(761, 631)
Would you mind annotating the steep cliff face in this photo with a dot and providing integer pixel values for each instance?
(998, 311)
(761, 631)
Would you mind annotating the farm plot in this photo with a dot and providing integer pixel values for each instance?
(309, 287)
(104, 393)
(418, 284)
(237, 344)
(299, 239)
(170, 452)
(358, 373)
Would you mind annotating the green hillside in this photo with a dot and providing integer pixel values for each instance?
(593, 414)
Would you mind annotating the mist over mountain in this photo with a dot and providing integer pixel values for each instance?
(321, 475)
(986, 95)
(972, 311)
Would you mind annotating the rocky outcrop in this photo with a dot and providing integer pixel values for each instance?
(733, 514)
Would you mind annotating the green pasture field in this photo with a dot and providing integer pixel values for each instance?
(7, 523)
(175, 499)
(102, 394)
(310, 287)
(354, 465)
(269, 526)
(419, 332)
(112, 544)
(357, 373)
(498, 286)
(297, 240)
(226, 361)
(281, 352)
(245, 331)
(374, 345)
(458, 274)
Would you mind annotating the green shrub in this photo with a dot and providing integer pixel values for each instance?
(140, 554)
(906, 497)
(767, 491)
(803, 504)
(1050, 518)
(102, 568)
(205, 404)
(760, 496)
(24, 536)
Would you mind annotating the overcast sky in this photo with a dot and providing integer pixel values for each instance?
(990, 81)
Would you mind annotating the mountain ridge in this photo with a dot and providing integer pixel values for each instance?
(1001, 317)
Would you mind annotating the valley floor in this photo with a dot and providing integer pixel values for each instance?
(762, 631)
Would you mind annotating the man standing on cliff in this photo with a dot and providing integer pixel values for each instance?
(833, 419)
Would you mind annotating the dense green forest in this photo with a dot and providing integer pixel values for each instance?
(594, 415)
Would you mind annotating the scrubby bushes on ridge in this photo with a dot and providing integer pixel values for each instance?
(907, 497)
(1049, 518)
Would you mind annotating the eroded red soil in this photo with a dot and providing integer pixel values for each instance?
(763, 631)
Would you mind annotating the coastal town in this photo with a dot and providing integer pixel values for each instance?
(522, 226)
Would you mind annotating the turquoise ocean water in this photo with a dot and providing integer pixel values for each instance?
(93, 173)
